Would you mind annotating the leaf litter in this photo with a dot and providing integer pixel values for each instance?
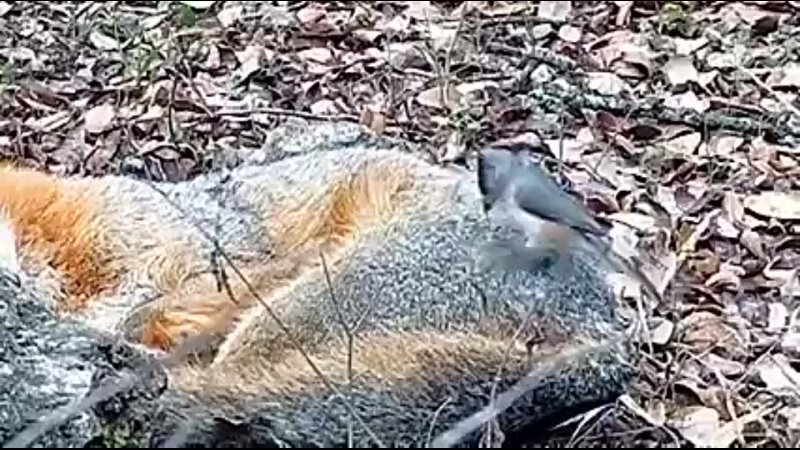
(681, 126)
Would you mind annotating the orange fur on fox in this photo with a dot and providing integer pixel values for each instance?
(59, 224)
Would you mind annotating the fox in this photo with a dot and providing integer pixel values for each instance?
(341, 285)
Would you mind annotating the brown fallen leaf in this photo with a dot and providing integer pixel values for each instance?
(324, 107)
(661, 331)
(432, 98)
(607, 83)
(310, 14)
(198, 4)
(725, 366)
(102, 41)
(778, 375)
(790, 344)
(320, 55)
(774, 204)
(442, 37)
(687, 100)
(729, 276)
(569, 33)
(681, 70)
(702, 427)
(753, 243)
(229, 15)
(704, 331)
(687, 47)
(49, 123)
(554, 10)
(99, 118)
(686, 144)
(623, 12)
(786, 76)
(777, 316)
(765, 25)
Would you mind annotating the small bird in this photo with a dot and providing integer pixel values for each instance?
(518, 192)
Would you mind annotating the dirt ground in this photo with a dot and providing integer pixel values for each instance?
(678, 118)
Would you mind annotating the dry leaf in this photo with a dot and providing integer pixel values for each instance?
(320, 55)
(765, 25)
(787, 76)
(661, 331)
(779, 376)
(729, 276)
(323, 107)
(198, 4)
(310, 14)
(752, 242)
(792, 417)
(704, 330)
(569, 33)
(686, 47)
(680, 70)
(636, 221)
(726, 228)
(702, 427)
(724, 145)
(570, 150)
(776, 319)
(607, 83)
(720, 60)
(623, 12)
(733, 207)
(442, 37)
(774, 204)
(432, 98)
(398, 24)
(368, 36)
(422, 11)
(51, 122)
(707, 78)
(687, 100)
(556, 11)
(373, 119)
(99, 118)
(250, 59)
(102, 41)
(725, 366)
(686, 144)
(541, 30)
(454, 147)
(791, 343)
(230, 15)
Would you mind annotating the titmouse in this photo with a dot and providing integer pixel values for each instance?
(517, 192)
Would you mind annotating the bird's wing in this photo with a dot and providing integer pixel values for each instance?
(536, 193)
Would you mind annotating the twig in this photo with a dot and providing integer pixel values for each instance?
(289, 112)
(349, 335)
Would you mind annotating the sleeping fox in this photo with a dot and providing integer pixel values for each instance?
(341, 286)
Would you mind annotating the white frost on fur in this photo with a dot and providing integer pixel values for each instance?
(8, 246)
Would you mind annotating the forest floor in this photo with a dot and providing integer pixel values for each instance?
(678, 118)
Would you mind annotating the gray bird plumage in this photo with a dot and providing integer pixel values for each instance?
(518, 193)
